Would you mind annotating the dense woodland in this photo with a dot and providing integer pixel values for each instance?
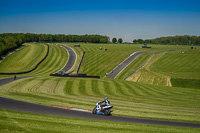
(172, 40)
(9, 41)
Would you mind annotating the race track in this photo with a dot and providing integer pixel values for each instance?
(124, 64)
(72, 59)
(11, 104)
(17, 105)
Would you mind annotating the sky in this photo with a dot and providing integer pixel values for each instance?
(126, 19)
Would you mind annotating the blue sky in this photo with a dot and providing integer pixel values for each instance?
(129, 19)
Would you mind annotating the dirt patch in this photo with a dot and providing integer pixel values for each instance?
(169, 82)
(134, 77)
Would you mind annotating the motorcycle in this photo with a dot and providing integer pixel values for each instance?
(102, 109)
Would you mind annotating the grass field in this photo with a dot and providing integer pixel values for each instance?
(179, 69)
(11, 121)
(179, 64)
(133, 99)
(134, 65)
(24, 59)
(129, 98)
(99, 62)
(56, 59)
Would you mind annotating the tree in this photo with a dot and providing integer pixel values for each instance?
(10, 42)
(104, 40)
(120, 40)
(135, 41)
(114, 40)
(140, 41)
(2, 46)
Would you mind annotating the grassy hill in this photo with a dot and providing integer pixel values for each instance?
(28, 57)
(129, 98)
(55, 61)
(11, 121)
(181, 69)
(24, 60)
(99, 62)
(149, 96)
(134, 65)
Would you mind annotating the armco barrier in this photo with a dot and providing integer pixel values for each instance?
(75, 75)
(31, 69)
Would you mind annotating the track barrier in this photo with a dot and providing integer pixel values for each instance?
(75, 75)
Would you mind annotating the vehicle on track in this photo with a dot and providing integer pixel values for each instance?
(102, 109)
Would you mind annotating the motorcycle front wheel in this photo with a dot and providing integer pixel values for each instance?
(94, 111)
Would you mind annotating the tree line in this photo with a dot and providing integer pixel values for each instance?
(173, 40)
(9, 41)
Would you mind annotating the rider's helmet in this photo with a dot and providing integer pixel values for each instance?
(106, 98)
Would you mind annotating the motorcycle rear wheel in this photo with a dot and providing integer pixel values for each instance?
(107, 112)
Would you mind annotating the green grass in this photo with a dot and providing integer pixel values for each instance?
(146, 76)
(179, 65)
(79, 53)
(139, 61)
(129, 98)
(186, 83)
(171, 69)
(11, 121)
(24, 59)
(55, 61)
(99, 62)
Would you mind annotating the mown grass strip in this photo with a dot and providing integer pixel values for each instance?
(99, 62)
(25, 60)
(55, 61)
(12, 121)
(166, 69)
(129, 98)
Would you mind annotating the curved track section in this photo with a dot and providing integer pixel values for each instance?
(71, 61)
(124, 64)
(17, 105)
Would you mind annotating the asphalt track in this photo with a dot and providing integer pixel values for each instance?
(11, 104)
(71, 61)
(21, 106)
(124, 64)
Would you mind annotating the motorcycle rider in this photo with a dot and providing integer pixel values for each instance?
(107, 102)
(103, 108)
(100, 105)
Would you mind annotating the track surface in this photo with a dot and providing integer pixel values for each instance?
(71, 61)
(17, 105)
(8, 80)
(124, 64)
(7, 103)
